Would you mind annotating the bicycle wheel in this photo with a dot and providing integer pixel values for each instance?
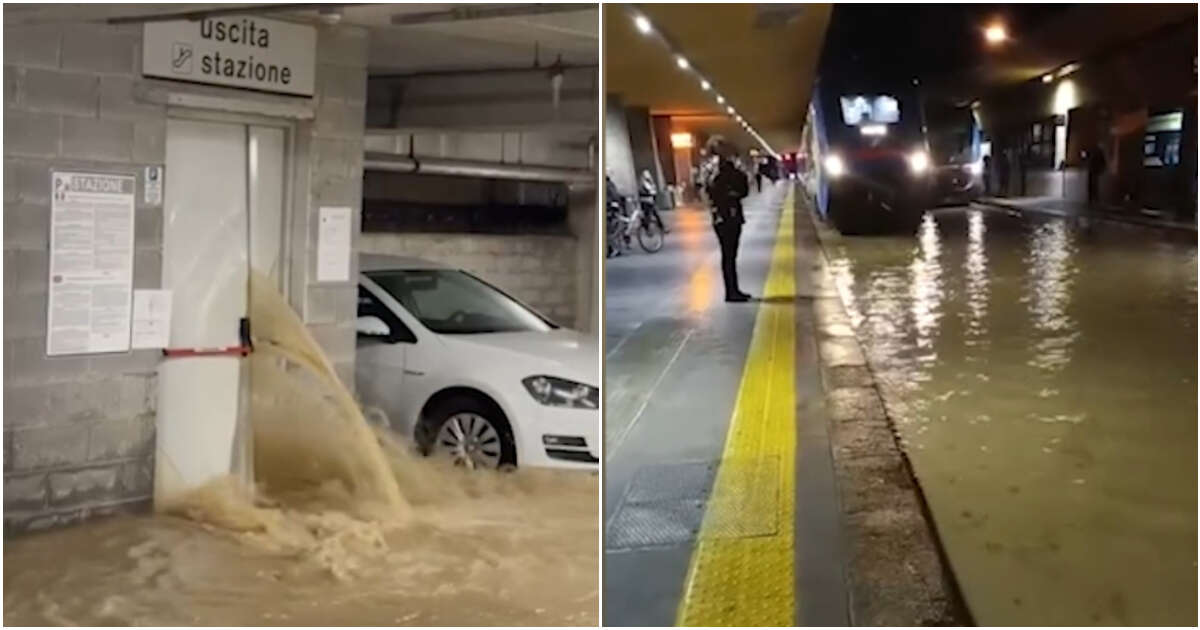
(650, 237)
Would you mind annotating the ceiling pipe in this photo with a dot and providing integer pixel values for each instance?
(469, 12)
(374, 161)
(257, 9)
(424, 74)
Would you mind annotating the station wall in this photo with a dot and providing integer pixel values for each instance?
(79, 431)
(618, 150)
(1110, 97)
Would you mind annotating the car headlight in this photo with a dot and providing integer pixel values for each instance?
(834, 166)
(975, 168)
(560, 392)
(918, 161)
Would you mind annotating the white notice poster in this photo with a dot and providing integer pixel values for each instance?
(151, 318)
(333, 245)
(91, 263)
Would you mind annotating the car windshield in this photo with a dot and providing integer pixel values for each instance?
(450, 302)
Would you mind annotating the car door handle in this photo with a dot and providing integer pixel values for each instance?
(413, 372)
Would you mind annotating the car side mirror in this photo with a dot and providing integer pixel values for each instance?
(372, 326)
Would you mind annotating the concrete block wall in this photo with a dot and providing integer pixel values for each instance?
(582, 216)
(538, 270)
(79, 430)
(331, 161)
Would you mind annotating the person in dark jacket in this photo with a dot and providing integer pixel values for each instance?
(1096, 165)
(987, 175)
(728, 187)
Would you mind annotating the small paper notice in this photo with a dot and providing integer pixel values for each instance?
(153, 186)
(151, 318)
(333, 245)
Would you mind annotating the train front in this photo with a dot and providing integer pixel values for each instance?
(877, 165)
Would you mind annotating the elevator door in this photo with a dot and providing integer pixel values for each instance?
(223, 213)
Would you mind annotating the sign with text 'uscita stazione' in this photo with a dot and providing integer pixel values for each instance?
(236, 51)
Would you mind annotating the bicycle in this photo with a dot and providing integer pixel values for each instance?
(648, 232)
(624, 226)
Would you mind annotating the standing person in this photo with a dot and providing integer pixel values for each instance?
(648, 197)
(707, 171)
(1020, 157)
(1003, 171)
(726, 190)
(987, 175)
(1096, 163)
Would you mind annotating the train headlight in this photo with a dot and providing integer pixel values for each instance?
(918, 161)
(834, 166)
(975, 168)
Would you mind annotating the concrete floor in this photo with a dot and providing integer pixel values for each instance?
(675, 359)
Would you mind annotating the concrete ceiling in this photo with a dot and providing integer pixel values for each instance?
(442, 37)
(762, 59)
(446, 43)
(15, 14)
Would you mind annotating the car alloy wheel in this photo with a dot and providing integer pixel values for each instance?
(470, 440)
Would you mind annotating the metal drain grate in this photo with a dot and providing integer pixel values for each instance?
(666, 504)
(691, 480)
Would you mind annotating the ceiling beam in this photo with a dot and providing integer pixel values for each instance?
(470, 12)
(233, 10)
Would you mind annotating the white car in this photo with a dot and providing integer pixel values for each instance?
(466, 370)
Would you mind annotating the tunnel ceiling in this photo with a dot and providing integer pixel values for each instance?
(1055, 38)
(762, 58)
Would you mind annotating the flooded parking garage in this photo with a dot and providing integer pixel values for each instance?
(205, 460)
(484, 550)
(1041, 374)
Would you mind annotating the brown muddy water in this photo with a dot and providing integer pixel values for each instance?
(1042, 376)
(344, 526)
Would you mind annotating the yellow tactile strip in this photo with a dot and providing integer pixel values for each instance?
(750, 580)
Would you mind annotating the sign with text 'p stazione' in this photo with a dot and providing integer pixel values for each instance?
(236, 51)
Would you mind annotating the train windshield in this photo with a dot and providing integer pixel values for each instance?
(862, 109)
(951, 132)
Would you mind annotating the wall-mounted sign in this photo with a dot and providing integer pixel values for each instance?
(333, 244)
(91, 262)
(237, 51)
(151, 318)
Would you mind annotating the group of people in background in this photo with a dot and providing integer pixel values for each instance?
(721, 181)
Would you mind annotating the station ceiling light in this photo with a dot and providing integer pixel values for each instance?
(646, 28)
(1067, 69)
(643, 24)
(682, 140)
(995, 34)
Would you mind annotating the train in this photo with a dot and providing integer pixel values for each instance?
(868, 165)
(956, 151)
